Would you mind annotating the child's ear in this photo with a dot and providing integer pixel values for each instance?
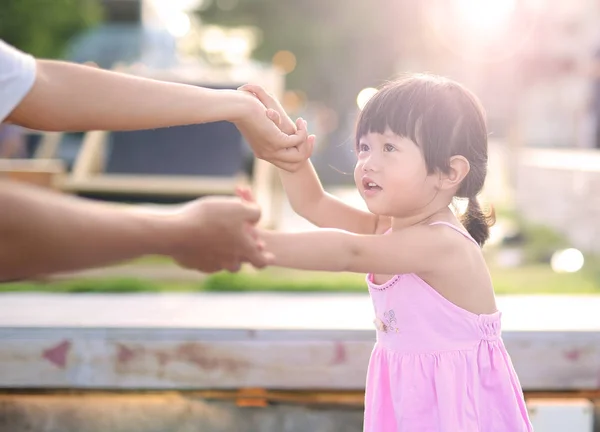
(459, 168)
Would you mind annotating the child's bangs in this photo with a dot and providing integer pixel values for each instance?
(393, 109)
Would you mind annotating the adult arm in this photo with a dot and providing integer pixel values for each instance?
(61, 96)
(43, 232)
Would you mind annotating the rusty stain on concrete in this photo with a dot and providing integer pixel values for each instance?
(201, 356)
(134, 359)
(125, 354)
(339, 355)
(573, 355)
(57, 355)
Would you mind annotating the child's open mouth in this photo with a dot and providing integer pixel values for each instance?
(370, 187)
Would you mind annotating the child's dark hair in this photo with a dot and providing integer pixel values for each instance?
(444, 119)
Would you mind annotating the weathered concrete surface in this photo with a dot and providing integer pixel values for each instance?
(164, 413)
(275, 341)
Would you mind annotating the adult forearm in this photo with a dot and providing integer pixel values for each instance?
(71, 97)
(42, 232)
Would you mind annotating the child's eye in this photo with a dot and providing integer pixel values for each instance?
(389, 148)
(363, 147)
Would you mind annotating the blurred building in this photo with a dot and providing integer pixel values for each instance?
(130, 33)
(557, 107)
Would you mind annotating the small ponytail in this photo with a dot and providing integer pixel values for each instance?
(477, 222)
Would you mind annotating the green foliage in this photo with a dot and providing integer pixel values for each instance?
(540, 279)
(85, 286)
(44, 27)
(541, 242)
(528, 279)
(263, 281)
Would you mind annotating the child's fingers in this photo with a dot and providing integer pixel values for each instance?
(242, 192)
(301, 124)
(245, 193)
(302, 127)
(311, 143)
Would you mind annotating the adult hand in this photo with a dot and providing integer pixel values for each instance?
(275, 110)
(217, 233)
(286, 149)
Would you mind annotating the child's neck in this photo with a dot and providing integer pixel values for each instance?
(421, 218)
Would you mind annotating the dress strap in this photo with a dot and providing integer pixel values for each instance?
(455, 228)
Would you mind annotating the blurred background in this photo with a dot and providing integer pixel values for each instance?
(535, 64)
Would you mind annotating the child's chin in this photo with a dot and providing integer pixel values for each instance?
(374, 208)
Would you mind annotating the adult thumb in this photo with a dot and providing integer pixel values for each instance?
(251, 212)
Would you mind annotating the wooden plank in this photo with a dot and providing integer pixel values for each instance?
(53, 166)
(268, 192)
(89, 158)
(39, 172)
(49, 145)
(191, 186)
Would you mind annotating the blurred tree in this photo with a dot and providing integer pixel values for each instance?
(44, 27)
(340, 46)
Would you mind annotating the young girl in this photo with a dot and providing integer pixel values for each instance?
(439, 363)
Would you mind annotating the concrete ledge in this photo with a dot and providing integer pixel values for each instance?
(272, 341)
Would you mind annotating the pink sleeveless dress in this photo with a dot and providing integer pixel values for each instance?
(436, 367)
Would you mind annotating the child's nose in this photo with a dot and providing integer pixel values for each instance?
(371, 164)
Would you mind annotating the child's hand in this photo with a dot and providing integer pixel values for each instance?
(276, 113)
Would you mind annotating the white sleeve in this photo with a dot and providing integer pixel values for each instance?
(17, 75)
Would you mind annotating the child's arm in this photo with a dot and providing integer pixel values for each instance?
(411, 250)
(305, 191)
(308, 198)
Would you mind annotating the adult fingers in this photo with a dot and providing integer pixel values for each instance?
(262, 95)
(251, 212)
(233, 266)
(274, 116)
(254, 253)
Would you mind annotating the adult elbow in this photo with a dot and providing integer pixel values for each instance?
(39, 109)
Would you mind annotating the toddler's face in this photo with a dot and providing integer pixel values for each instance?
(391, 175)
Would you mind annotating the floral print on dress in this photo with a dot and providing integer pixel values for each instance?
(388, 323)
